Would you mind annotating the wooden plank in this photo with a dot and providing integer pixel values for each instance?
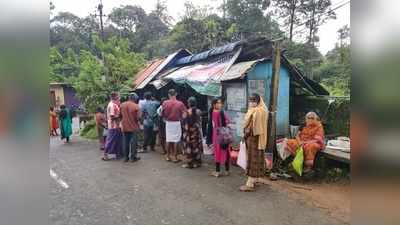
(337, 155)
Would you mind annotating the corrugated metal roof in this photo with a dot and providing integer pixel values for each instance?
(167, 72)
(238, 70)
(144, 73)
(206, 54)
(163, 65)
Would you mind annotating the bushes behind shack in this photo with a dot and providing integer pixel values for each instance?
(334, 113)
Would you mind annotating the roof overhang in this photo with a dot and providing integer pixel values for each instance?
(164, 64)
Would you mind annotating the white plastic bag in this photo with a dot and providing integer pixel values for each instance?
(207, 150)
(281, 148)
(242, 156)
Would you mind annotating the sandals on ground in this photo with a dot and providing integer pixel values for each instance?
(187, 166)
(225, 173)
(215, 174)
(246, 188)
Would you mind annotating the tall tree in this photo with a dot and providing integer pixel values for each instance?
(153, 30)
(316, 13)
(335, 71)
(291, 11)
(188, 33)
(192, 11)
(161, 11)
(63, 67)
(250, 19)
(299, 54)
(127, 18)
(70, 31)
(344, 35)
(55, 65)
(52, 7)
(120, 65)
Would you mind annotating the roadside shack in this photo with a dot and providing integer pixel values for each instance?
(232, 71)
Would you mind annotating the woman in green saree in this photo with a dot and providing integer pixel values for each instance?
(65, 123)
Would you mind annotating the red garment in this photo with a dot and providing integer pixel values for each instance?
(312, 137)
(220, 155)
(53, 120)
(172, 110)
(130, 116)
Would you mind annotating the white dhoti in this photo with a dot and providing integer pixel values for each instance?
(173, 131)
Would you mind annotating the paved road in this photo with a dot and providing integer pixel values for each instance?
(87, 191)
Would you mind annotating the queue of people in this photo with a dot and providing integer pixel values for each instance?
(179, 127)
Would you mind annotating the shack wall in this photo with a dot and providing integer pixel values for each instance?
(70, 98)
(259, 81)
(58, 94)
(235, 95)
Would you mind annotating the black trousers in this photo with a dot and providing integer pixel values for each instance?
(149, 137)
(227, 163)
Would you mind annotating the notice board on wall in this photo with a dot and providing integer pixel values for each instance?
(236, 97)
(257, 86)
(236, 123)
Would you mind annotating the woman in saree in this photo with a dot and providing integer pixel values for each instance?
(53, 122)
(192, 136)
(255, 135)
(65, 123)
(311, 138)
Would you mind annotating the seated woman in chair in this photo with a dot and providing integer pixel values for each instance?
(311, 138)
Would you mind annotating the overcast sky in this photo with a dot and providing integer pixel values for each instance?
(327, 33)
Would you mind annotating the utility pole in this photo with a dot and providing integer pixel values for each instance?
(224, 9)
(312, 23)
(100, 8)
(273, 100)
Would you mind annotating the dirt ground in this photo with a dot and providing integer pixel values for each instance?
(333, 198)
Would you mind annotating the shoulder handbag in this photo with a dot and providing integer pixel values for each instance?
(224, 133)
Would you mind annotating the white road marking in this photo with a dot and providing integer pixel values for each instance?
(58, 180)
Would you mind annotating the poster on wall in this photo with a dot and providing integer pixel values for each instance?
(236, 122)
(236, 97)
(257, 86)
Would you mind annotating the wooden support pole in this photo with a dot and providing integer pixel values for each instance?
(273, 102)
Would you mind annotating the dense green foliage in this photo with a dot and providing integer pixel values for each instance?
(97, 78)
(311, 13)
(89, 130)
(335, 71)
(338, 118)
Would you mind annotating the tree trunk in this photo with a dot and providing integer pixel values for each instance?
(312, 23)
(291, 20)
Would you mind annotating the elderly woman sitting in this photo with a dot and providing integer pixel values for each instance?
(311, 138)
